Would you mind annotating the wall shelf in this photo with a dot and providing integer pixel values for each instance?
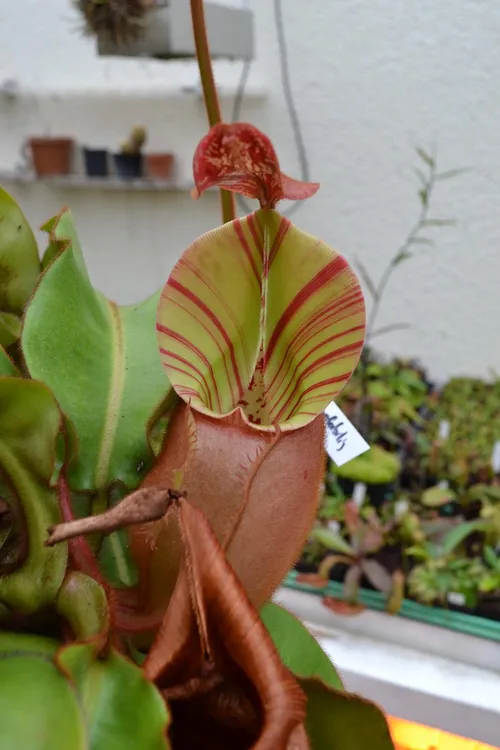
(82, 182)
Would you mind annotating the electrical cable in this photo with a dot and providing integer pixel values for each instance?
(289, 101)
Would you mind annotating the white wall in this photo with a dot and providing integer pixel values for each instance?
(372, 80)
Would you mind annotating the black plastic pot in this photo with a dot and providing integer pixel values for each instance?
(128, 166)
(96, 162)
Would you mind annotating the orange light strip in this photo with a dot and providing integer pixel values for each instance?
(409, 736)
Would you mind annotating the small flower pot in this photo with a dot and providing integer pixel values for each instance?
(159, 166)
(51, 156)
(128, 166)
(96, 162)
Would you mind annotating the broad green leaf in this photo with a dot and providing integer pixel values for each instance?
(100, 360)
(456, 536)
(298, 650)
(376, 466)
(343, 721)
(262, 316)
(7, 366)
(435, 497)
(332, 540)
(71, 699)
(19, 261)
(482, 492)
(30, 426)
(39, 709)
(491, 557)
(26, 644)
(121, 709)
(490, 582)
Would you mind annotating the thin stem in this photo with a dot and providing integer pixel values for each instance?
(364, 411)
(212, 105)
(386, 276)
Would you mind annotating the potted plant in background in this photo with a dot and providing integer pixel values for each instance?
(51, 156)
(96, 161)
(159, 165)
(129, 160)
(117, 22)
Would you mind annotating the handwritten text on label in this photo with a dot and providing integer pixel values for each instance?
(343, 441)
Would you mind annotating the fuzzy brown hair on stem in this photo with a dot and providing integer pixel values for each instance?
(120, 21)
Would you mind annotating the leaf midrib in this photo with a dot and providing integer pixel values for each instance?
(116, 388)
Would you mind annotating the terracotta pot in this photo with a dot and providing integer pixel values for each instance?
(159, 166)
(51, 156)
(259, 492)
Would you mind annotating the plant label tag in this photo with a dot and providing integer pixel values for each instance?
(401, 507)
(343, 441)
(359, 493)
(454, 597)
(495, 458)
(444, 429)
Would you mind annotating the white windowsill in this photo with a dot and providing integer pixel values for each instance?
(142, 79)
(414, 671)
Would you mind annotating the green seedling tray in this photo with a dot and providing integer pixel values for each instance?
(444, 618)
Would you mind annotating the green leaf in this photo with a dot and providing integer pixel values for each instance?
(456, 536)
(10, 328)
(343, 721)
(376, 466)
(483, 492)
(114, 557)
(491, 557)
(439, 223)
(19, 261)
(452, 173)
(421, 552)
(30, 679)
(70, 699)
(121, 709)
(378, 389)
(424, 196)
(490, 582)
(298, 650)
(332, 540)
(7, 366)
(435, 497)
(30, 425)
(100, 360)
(115, 560)
(260, 315)
(425, 157)
(421, 241)
(400, 257)
(83, 603)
